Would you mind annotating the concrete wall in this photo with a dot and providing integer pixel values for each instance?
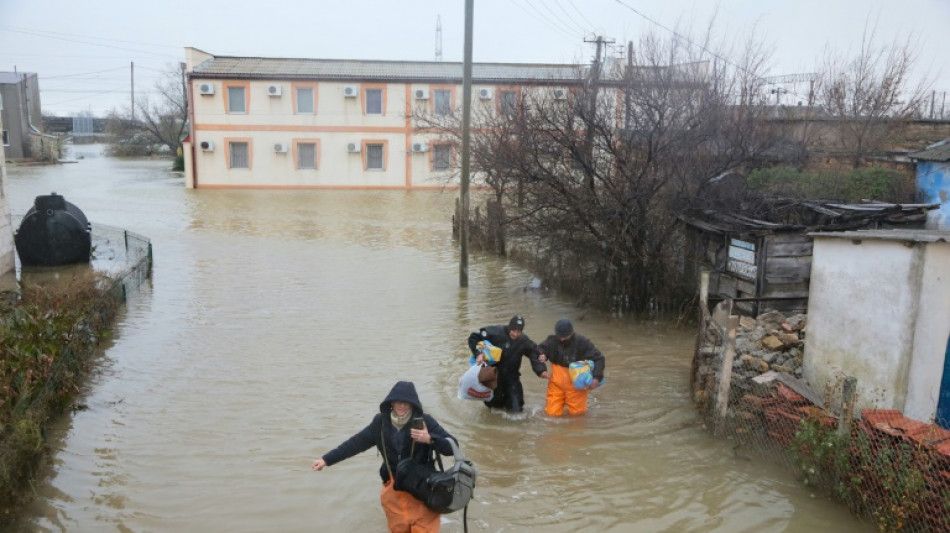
(879, 310)
(933, 182)
(7, 250)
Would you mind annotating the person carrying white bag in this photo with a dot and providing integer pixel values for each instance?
(478, 383)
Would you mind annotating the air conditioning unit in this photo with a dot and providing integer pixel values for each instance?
(422, 94)
(485, 94)
(560, 94)
(206, 146)
(280, 148)
(353, 148)
(274, 90)
(206, 88)
(350, 91)
(419, 147)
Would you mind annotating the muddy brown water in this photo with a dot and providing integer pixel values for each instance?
(276, 321)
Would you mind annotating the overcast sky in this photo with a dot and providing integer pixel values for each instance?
(82, 51)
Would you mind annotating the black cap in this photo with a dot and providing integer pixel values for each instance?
(563, 328)
(516, 323)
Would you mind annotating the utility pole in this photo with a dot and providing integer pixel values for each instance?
(628, 114)
(466, 138)
(592, 108)
(132, 75)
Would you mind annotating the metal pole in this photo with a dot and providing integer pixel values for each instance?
(466, 123)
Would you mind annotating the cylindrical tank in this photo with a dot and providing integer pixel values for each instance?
(53, 232)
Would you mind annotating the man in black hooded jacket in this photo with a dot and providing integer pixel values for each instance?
(392, 433)
(514, 344)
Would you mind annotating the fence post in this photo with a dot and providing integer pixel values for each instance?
(847, 405)
(725, 379)
(703, 324)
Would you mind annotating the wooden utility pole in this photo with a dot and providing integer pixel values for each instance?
(132, 75)
(466, 138)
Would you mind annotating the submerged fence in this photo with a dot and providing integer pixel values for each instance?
(50, 342)
(889, 470)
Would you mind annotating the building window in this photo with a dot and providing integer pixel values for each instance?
(6, 140)
(307, 156)
(507, 102)
(240, 155)
(374, 156)
(374, 101)
(442, 102)
(441, 156)
(305, 100)
(237, 104)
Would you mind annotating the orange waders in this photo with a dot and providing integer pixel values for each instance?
(405, 514)
(561, 390)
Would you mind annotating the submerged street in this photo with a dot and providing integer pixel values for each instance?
(277, 320)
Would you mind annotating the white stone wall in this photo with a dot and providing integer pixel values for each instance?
(879, 310)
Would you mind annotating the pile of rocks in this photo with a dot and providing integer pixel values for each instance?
(771, 341)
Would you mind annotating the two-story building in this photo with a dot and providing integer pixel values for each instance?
(323, 123)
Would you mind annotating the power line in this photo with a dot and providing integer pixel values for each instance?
(50, 36)
(546, 20)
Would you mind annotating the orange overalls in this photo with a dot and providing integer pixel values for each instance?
(406, 514)
(561, 391)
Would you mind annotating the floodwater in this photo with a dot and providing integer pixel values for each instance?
(276, 321)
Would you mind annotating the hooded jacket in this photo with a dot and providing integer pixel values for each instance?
(512, 350)
(577, 348)
(398, 443)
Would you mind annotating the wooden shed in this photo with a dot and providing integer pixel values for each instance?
(763, 261)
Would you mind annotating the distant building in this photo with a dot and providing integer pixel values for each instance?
(311, 123)
(7, 258)
(21, 112)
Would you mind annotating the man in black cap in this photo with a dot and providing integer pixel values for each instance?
(562, 349)
(514, 345)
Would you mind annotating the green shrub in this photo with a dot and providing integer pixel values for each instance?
(872, 183)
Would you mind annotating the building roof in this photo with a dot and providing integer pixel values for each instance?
(904, 235)
(935, 152)
(14, 77)
(409, 71)
(792, 216)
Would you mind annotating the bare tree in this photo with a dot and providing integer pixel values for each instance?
(159, 122)
(870, 95)
(594, 191)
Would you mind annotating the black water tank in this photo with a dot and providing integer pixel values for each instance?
(53, 232)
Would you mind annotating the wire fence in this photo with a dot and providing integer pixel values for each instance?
(51, 351)
(746, 383)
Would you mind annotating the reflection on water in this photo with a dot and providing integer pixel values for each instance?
(275, 323)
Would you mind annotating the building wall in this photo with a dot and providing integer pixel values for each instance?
(338, 121)
(13, 119)
(931, 334)
(933, 182)
(7, 258)
(877, 309)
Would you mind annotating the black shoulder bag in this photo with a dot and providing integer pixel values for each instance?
(443, 491)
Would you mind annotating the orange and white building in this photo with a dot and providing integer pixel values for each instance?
(323, 123)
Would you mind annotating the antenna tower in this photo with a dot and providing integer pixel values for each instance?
(438, 38)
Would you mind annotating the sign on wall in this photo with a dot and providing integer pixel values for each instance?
(742, 258)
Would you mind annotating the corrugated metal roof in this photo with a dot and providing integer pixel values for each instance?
(343, 69)
(936, 152)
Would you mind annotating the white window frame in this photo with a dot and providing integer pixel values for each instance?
(442, 108)
(441, 157)
(300, 153)
(506, 108)
(370, 156)
(233, 158)
(369, 101)
(311, 101)
(231, 100)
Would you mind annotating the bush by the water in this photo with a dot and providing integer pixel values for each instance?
(47, 339)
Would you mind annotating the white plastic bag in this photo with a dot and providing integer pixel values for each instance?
(471, 389)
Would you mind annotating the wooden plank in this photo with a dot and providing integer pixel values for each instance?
(786, 290)
(746, 287)
(791, 249)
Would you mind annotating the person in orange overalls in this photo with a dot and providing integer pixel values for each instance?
(562, 349)
(391, 432)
